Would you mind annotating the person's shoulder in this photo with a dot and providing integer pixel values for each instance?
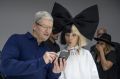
(16, 36)
(112, 52)
(116, 45)
(92, 47)
(85, 51)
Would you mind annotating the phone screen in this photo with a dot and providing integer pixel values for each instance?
(64, 54)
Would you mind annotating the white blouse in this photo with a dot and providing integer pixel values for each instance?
(79, 65)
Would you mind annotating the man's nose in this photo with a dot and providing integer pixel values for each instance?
(48, 30)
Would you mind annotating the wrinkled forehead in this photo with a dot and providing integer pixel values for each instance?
(46, 21)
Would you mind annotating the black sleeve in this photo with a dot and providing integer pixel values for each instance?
(112, 57)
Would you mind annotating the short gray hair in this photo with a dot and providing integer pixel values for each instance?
(42, 14)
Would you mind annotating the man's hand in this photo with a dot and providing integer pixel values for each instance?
(49, 57)
(59, 67)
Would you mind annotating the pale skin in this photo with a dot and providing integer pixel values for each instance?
(100, 31)
(42, 31)
(71, 39)
(106, 64)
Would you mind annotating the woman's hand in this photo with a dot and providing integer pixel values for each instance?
(99, 48)
(58, 67)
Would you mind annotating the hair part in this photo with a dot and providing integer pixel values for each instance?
(82, 41)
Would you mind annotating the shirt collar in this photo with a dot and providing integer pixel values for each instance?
(29, 35)
(72, 48)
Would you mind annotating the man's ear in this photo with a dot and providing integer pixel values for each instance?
(33, 26)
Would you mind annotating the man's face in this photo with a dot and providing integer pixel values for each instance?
(100, 32)
(43, 29)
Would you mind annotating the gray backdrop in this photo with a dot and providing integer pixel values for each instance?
(16, 16)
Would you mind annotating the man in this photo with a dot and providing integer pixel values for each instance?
(100, 31)
(26, 56)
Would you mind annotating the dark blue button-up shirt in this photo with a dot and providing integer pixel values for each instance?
(22, 58)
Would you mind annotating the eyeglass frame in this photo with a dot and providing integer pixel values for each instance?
(43, 25)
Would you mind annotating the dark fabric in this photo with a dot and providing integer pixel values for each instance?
(2, 76)
(22, 58)
(53, 46)
(94, 52)
(105, 37)
(112, 72)
(117, 51)
(86, 21)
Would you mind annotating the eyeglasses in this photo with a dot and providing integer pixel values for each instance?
(43, 26)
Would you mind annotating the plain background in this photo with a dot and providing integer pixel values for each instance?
(16, 16)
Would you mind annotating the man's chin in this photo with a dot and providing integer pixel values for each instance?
(46, 39)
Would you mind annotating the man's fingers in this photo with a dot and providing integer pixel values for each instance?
(53, 53)
(50, 60)
(53, 57)
(61, 64)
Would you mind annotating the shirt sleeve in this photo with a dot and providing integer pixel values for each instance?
(12, 66)
(112, 57)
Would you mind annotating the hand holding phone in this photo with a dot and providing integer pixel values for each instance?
(64, 55)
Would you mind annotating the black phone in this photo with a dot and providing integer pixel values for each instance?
(63, 55)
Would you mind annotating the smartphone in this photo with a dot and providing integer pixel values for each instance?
(63, 55)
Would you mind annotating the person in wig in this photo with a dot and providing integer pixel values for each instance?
(76, 32)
